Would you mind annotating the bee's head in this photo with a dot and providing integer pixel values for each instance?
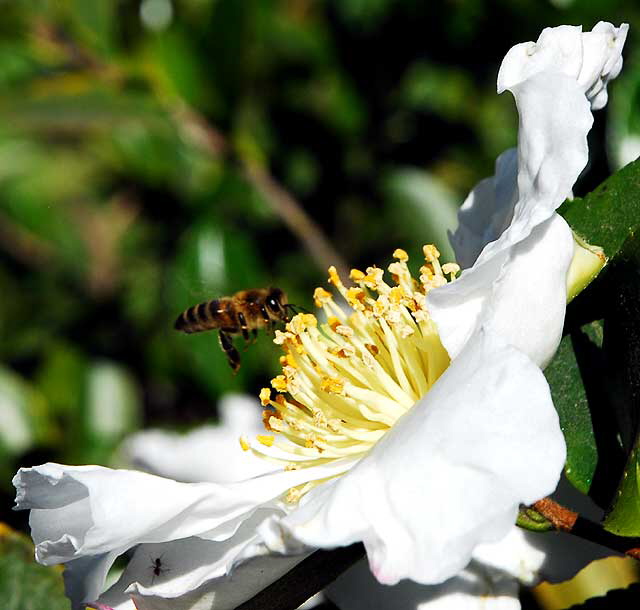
(276, 303)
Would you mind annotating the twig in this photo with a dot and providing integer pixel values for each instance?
(566, 520)
(199, 131)
(294, 216)
(281, 201)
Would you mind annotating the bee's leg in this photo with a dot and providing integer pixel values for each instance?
(265, 315)
(230, 351)
(245, 329)
(268, 323)
(254, 335)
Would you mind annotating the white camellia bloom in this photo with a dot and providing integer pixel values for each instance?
(417, 425)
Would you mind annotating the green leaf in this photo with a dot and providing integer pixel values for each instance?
(570, 399)
(624, 518)
(609, 215)
(24, 584)
(532, 520)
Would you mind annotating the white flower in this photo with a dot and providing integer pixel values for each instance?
(421, 452)
(517, 248)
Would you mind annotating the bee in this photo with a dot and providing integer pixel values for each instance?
(246, 311)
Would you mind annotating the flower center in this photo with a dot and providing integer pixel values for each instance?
(345, 382)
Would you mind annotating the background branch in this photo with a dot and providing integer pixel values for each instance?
(279, 199)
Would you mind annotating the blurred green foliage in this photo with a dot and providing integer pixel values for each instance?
(45, 588)
(126, 129)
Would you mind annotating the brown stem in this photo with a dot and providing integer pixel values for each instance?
(571, 522)
(560, 517)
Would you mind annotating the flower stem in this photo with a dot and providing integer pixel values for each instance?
(566, 520)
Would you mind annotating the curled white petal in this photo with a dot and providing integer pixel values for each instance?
(591, 58)
(487, 211)
(555, 83)
(449, 475)
(88, 515)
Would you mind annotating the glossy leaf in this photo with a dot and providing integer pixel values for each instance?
(624, 519)
(570, 399)
(609, 215)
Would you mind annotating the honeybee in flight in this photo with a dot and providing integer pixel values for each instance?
(245, 311)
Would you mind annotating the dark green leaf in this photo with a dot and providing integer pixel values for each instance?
(609, 215)
(570, 400)
(624, 519)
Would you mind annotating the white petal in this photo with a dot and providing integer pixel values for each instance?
(208, 453)
(520, 295)
(487, 211)
(84, 577)
(87, 515)
(225, 593)
(449, 475)
(591, 58)
(554, 82)
(172, 569)
(477, 587)
(529, 298)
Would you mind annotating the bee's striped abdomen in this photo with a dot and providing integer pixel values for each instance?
(200, 317)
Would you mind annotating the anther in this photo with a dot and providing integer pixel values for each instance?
(265, 440)
(265, 396)
(401, 255)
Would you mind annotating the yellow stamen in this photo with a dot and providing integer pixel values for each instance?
(334, 278)
(345, 382)
(332, 384)
(321, 297)
(265, 396)
(400, 254)
(279, 383)
(265, 440)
